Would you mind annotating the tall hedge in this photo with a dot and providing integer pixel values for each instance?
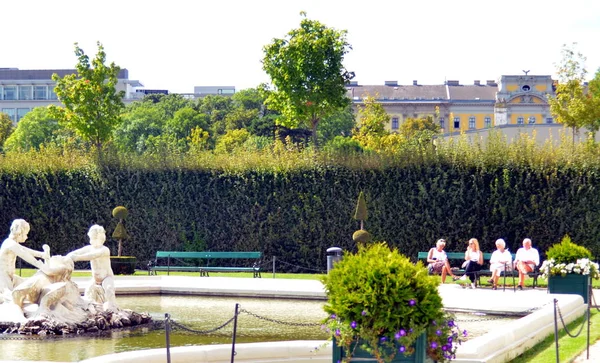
(297, 214)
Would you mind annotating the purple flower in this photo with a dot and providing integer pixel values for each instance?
(438, 332)
(400, 333)
(401, 349)
(451, 323)
(444, 348)
(364, 313)
(337, 333)
(434, 323)
(433, 345)
(465, 333)
(383, 339)
(410, 330)
(450, 340)
(333, 316)
(353, 325)
(411, 302)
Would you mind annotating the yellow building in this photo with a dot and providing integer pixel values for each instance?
(514, 100)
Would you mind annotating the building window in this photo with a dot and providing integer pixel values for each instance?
(9, 93)
(25, 92)
(394, 123)
(487, 122)
(520, 120)
(40, 93)
(52, 95)
(549, 120)
(10, 112)
(442, 123)
(471, 122)
(531, 120)
(457, 122)
(21, 112)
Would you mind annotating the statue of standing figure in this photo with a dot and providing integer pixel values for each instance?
(102, 287)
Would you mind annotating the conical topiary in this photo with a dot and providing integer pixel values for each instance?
(120, 233)
(361, 213)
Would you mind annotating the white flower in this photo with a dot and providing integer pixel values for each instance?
(582, 266)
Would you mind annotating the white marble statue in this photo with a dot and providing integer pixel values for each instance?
(102, 287)
(10, 249)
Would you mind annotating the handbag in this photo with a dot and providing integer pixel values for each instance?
(465, 264)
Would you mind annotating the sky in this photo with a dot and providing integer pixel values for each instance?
(178, 44)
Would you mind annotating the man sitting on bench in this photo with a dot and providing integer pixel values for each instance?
(526, 260)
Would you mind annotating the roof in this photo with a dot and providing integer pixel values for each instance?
(15, 74)
(424, 92)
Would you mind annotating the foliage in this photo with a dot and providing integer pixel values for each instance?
(380, 299)
(372, 119)
(307, 72)
(6, 128)
(361, 236)
(37, 127)
(361, 212)
(139, 121)
(339, 124)
(92, 105)
(342, 146)
(573, 106)
(232, 140)
(120, 212)
(566, 251)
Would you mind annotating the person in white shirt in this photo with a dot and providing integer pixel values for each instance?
(438, 261)
(473, 261)
(501, 260)
(526, 260)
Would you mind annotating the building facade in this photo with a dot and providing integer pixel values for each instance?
(22, 90)
(513, 100)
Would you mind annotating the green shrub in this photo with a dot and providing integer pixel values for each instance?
(566, 251)
(378, 298)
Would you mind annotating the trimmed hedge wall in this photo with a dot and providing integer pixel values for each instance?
(296, 215)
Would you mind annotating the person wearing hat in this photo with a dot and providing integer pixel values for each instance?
(438, 261)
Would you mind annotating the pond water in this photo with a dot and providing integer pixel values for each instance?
(260, 320)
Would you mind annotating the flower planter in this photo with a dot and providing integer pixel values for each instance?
(124, 265)
(419, 356)
(570, 284)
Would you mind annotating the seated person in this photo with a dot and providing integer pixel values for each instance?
(526, 260)
(500, 261)
(473, 261)
(438, 261)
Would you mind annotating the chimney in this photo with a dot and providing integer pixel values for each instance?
(391, 83)
(477, 83)
(415, 83)
(453, 83)
(491, 83)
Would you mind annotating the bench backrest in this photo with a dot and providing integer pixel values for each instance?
(207, 255)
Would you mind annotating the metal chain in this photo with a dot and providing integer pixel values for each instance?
(183, 327)
(306, 268)
(278, 321)
(477, 320)
(565, 325)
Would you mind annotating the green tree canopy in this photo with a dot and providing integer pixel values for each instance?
(307, 72)
(574, 106)
(37, 127)
(92, 105)
(6, 128)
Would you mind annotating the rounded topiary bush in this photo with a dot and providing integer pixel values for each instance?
(379, 299)
(120, 212)
(361, 236)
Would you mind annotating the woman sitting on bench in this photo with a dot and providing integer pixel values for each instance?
(500, 261)
(473, 261)
(438, 261)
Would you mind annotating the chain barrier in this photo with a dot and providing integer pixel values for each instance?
(190, 330)
(306, 268)
(478, 320)
(278, 321)
(565, 325)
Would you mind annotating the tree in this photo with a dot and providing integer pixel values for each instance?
(37, 127)
(139, 122)
(373, 119)
(307, 72)
(339, 123)
(574, 106)
(92, 105)
(6, 128)
(419, 131)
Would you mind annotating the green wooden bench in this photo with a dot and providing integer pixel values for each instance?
(180, 261)
(453, 257)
